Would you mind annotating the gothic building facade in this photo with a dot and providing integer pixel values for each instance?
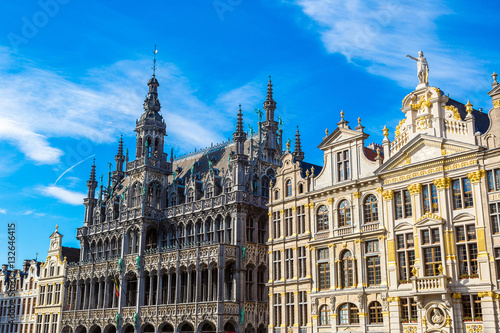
(184, 238)
(398, 237)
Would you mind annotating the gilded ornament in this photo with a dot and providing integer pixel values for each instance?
(453, 109)
(496, 104)
(415, 188)
(442, 183)
(356, 195)
(475, 176)
(423, 123)
(429, 215)
(385, 132)
(399, 127)
(468, 107)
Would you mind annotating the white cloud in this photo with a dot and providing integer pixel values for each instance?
(37, 105)
(3, 211)
(377, 34)
(64, 195)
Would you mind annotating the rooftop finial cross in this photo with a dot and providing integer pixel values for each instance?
(154, 60)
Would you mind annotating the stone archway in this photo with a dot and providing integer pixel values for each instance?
(186, 327)
(110, 329)
(95, 329)
(229, 327)
(207, 327)
(148, 328)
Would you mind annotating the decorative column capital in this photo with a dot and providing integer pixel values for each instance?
(388, 194)
(475, 176)
(415, 188)
(442, 183)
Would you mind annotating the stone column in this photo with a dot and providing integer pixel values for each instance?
(209, 287)
(188, 286)
(159, 287)
(489, 317)
(150, 300)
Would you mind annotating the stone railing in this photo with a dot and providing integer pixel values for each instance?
(231, 308)
(370, 227)
(427, 283)
(398, 142)
(322, 235)
(457, 127)
(344, 231)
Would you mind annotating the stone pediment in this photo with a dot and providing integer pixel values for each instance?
(341, 135)
(424, 148)
(429, 219)
(464, 217)
(403, 226)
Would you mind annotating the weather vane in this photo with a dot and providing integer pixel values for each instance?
(154, 60)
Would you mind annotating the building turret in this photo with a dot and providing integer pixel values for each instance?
(298, 154)
(239, 160)
(269, 104)
(150, 128)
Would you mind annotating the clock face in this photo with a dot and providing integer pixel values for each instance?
(53, 244)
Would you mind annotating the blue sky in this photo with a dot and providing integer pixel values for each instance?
(73, 78)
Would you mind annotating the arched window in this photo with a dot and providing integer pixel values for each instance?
(288, 186)
(371, 209)
(265, 186)
(276, 195)
(301, 188)
(344, 214)
(324, 315)
(209, 192)
(172, 200)
(190, 196)
(151, 239)
(190, 233)
(375, 313)
(347, 270)
(136, 194)
(229, 186)
(322, 218)
(348, 314)
(181, 236)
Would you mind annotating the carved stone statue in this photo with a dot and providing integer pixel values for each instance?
(422, 67)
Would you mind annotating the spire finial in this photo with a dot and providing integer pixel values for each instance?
(342, 115)
(326, 132)
(154, 60)
(57, 227)
(270, 104)
(92, 172)
(494, 76)
(288, 145)
(297, 153)
(468, 107)
(385, 131)
(359, 121)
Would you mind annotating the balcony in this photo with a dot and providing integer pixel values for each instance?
(344, 231)
(429, 284)
(370, 227)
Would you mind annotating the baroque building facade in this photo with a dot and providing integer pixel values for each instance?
(50, 288)
(398, 237)
(18, 293)
(184, 238)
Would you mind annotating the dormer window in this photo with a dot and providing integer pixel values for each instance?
(190, 196)
(343, 168)
(210, 192)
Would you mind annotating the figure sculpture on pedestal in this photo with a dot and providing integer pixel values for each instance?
(422, 67)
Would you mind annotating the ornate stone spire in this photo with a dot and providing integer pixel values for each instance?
(239, 136)
(298, 153)
(119, 157)
(270, 104)
(91, 183)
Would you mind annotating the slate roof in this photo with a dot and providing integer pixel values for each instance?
(72, 254)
